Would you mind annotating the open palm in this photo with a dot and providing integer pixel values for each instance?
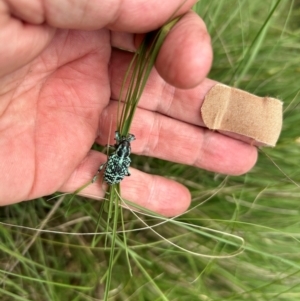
(52, 111)
(58, 91)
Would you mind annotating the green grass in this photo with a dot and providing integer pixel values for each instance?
(255, 49)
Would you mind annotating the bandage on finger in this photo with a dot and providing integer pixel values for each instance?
(241, 115)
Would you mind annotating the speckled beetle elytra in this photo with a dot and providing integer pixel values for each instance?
(116, 167)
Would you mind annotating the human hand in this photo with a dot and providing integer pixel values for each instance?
(59, 91)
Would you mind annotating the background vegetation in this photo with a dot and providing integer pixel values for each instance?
(253, 253)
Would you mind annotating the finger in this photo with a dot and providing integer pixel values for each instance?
(166, 138)
(185, 57)
(155, 193)
(127, 15)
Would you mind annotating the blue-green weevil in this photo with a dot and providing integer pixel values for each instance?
(116, 167)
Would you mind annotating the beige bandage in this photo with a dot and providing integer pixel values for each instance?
(241, 115)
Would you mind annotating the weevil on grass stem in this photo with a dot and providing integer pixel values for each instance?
(116, 167)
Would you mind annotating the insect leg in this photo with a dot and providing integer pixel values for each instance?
(117, 136)
(98, 171)
(130, 137)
